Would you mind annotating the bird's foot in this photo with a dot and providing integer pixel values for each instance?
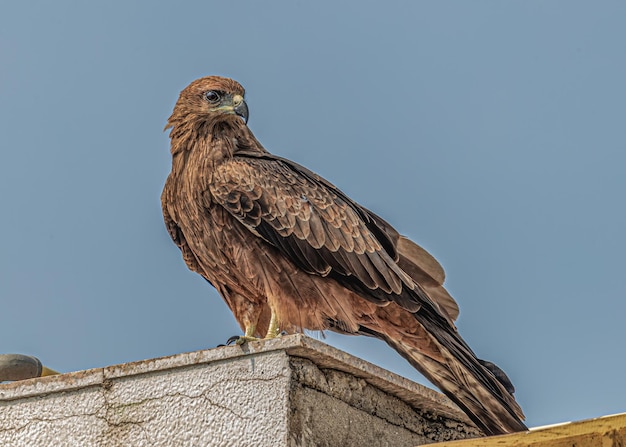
(273, 331)
(237, 340)
(241, 339)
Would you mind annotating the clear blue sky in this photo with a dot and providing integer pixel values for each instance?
(492, 133)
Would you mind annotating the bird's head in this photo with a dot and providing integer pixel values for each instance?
(210, 98)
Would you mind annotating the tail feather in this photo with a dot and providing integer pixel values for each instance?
(475, 388)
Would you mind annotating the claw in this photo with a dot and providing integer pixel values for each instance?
(244, 339)
(237, 340)
(273, 331)
(232, 340)
(241, 339)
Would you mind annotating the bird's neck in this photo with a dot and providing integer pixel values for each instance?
(225, 137)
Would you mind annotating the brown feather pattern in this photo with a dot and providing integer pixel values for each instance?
(272, 236)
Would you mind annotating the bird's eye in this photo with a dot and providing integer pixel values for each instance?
(212, 96)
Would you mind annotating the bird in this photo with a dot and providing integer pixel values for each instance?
(288, 251)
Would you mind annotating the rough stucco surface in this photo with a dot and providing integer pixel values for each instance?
(64, 419)
(216, 404)
(332, 408)
(289, 392)
(219, 404)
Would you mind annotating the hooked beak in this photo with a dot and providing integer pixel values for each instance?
(240, 107)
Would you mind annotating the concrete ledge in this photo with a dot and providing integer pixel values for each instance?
(291, 391)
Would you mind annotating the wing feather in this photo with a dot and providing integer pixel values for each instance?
(427, 272)
(312, 223)
(317, 236)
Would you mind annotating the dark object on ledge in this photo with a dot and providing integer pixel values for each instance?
(20, 367)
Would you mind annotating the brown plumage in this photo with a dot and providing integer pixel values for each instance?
(289, 251)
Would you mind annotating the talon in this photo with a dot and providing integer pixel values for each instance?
(244, 339)
(238, 340)
(273, 331)
(232, 340)
(241, 339)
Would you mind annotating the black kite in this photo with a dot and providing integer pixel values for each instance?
(289, 251)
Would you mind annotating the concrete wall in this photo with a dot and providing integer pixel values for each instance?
(291, 391)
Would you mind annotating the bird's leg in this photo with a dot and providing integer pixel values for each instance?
(273, 330)
(247, 314)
